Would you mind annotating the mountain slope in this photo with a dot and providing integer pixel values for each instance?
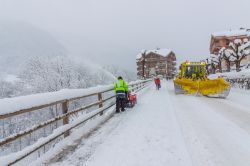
(19, 41)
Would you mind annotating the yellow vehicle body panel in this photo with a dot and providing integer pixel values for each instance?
(192, 80)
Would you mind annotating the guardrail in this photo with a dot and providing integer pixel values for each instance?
(66, 117)
(242, 83)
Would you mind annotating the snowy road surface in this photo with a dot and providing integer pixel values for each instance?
(165, 129)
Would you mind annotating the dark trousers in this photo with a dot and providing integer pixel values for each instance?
(158, 86)
(120, 104)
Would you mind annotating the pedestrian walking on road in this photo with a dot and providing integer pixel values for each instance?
(157, 83)
(121, 90)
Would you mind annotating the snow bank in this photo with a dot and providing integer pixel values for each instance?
(233, 74)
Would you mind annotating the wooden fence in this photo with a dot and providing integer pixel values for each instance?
(101, 105)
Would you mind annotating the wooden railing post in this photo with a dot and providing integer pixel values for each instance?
(65, 110)
(101, 102)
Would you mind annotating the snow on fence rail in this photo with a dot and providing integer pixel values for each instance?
(16, 107)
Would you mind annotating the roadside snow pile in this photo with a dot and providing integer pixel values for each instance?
(9, 105)
(245, 73)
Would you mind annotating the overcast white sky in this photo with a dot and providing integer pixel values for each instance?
(114, 31)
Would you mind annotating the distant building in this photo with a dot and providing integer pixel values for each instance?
(222, 39)
(156, 62)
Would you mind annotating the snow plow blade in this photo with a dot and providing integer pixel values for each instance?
(217, 88)
(222, 95)
(178, 89)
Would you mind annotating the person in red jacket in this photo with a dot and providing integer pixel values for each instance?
(157, 83)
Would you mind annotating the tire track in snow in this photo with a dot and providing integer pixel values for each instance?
(237, 113)
(212, 138)
(179, 125)
(88, 145)
(197, 150)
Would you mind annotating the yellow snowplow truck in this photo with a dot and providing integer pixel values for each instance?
(192, 79)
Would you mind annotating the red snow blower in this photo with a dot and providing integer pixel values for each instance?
(132, 99)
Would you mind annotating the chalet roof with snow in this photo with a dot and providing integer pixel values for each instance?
(231, 33)
(163, 52)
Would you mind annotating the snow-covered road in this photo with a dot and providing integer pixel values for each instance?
(175, 130)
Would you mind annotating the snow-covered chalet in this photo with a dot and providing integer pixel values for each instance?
(156, 62)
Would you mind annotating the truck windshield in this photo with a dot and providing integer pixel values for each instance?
(194, 69)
